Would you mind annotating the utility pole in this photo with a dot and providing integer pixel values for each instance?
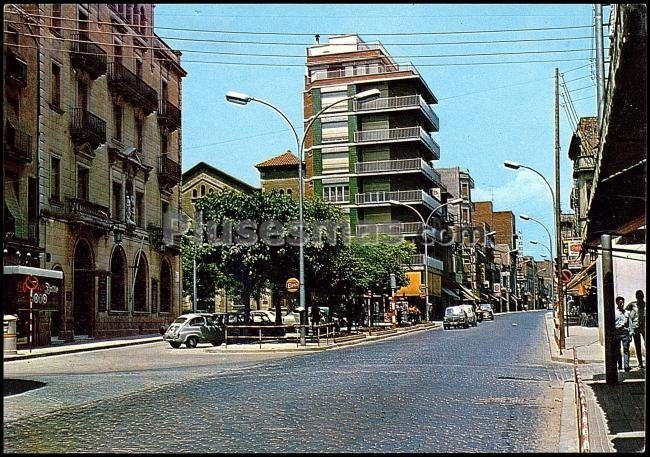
(558, 234)
(600, 61)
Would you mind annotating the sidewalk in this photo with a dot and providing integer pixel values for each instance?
(615, 413)
(249, 348)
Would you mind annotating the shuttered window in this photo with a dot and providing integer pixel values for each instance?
(335, 131)
(330, 98)
(336, 163)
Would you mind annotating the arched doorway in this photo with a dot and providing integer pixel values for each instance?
(83, 310)
(165, 287)
(118, 279)
(141, 281)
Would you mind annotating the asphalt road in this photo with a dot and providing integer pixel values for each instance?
(491, 388)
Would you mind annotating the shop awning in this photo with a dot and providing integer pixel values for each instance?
(468, 294)
(451, 294)
(23, 270)
(581, 283)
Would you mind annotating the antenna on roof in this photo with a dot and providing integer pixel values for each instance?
(317, 36)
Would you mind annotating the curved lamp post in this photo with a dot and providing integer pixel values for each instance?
(425, 225)
(243, 99)
(550, 244)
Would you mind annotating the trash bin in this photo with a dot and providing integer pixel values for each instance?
(9, 334)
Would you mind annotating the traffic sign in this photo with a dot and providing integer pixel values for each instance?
(31, 282)
(293, 285)
(566, 276)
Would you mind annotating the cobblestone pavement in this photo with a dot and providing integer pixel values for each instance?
(488, 388)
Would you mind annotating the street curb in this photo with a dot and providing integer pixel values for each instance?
(568, 420)
(73, 350)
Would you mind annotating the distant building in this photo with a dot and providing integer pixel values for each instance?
(281, 173)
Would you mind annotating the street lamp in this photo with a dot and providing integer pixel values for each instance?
(425, 225)
(558, 239)
(243, 99)
(550, 244)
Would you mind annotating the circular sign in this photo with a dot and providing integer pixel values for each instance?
(31, 282)
(293, 285)
(566, 276)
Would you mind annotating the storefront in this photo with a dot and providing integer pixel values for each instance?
(37, 291)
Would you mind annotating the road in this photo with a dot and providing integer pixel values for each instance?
(492, 388)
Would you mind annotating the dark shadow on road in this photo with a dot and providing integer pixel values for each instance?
(624, 408)
(18, 386)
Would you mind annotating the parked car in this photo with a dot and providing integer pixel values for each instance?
(455, 316)
(192, 329)
(471, 315)
(486, 310)
(262, 318)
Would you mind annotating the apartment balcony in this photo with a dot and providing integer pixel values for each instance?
(584, 163)
(362, 70)
(432, 262)
(169, 115)
(399, 103)
(132, 87)
(399, 166)
(17, 144)
(401, 134)
(414, 197)
(85, 127)
(390, 228)
(88, 213)
(169, 171)
(159, 241)
(86, 55)
(15, 70)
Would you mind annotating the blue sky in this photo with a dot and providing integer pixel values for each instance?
(488, 113)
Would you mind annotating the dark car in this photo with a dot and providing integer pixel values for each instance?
(455, 316)
(485, 309)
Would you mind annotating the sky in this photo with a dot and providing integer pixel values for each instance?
(491, 106)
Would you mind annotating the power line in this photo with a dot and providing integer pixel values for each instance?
(236, 139)
(584, 98)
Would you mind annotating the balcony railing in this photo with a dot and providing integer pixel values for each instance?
(16, 70)
(403, 196)
(398, 134)
(361, 70)
(169, 171)
(584, 163)
(162, 238)
(399, 166)
(86, 127)
(18, 144)
(169, 115)
(138, 92)
(418, 259)
(387, 228)
(86, 210)
(404, 101)
(88, 56)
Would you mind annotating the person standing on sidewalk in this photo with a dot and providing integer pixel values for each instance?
(624, 331)
(635, 316)
(640, 305)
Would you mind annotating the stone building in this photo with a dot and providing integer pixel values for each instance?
(107, 93)
(281, 173)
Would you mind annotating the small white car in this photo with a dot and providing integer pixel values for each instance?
(192, 329)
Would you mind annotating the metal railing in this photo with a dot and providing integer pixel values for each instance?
(169, 169)
(398, 165)
(418, 259)
(81, 207)
(132, 86)
(169, 112)
(398, 134)
(88, 55)
(403, 101)
(404, 196)
(258, 334)
(362, 70)
(19, 142)
(84, 124)
(581, 407)
(396, 228)
(15, 70)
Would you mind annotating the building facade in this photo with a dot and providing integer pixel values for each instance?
(373, 157)
(281, 173)
(108, 156)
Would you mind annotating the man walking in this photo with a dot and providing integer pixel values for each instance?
(623, 331)
(637, 313)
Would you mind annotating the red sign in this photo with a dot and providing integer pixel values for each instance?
(293, 285)
(566, 276)
(30, 283)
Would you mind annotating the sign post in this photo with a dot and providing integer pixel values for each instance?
(31, 283)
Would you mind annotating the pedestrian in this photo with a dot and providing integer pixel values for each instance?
(624, 331)
(633, 312)
(399, 315)
(640, 304)
(315, 318)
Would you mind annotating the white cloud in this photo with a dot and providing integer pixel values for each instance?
(525, 186)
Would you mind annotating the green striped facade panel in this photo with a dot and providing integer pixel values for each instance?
(318, 187)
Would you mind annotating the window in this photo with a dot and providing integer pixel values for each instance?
(56, 19)
(164, 142)
(165, 287)
(83, 174)
(83, 26)
(336, 193)
(336, 163)
(82, 95)
(289, 192)
(138, 67)
(118, 51)
(194, 193)
(197, 321)
(56, 85)
(138, 133)
(202, 190)
(166, 220)
(164, 91)
(117, 201)
(141, 282)
(329, 98)
(139, 209)
(55, 178)
(465, 216)
(335, 131)
(118, 279)
(117, 122)
(464, 189)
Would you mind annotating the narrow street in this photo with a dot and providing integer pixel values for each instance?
(436, 391)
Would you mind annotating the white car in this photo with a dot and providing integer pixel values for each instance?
(471, 316)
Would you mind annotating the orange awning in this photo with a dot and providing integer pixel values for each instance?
(581, 283)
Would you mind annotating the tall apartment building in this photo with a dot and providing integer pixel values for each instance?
(369, 156)
(102, 106)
